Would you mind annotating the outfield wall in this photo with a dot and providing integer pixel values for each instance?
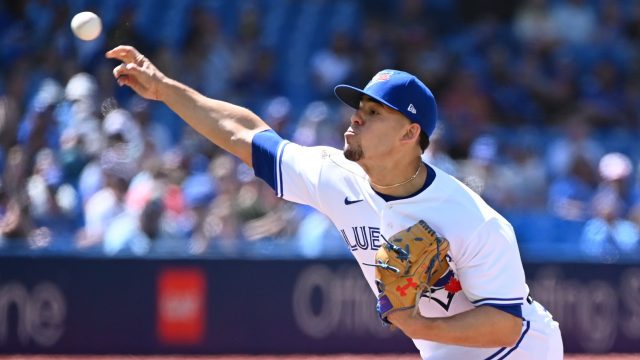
(194, 306)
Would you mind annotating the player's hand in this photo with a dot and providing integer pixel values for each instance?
(136, 71)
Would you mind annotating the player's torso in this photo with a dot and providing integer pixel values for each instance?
(363, 219)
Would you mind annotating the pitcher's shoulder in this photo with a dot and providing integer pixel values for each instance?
(335, 161)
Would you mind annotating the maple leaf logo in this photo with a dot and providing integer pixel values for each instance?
(453, 286)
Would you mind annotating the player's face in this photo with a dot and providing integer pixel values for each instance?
(373, 131)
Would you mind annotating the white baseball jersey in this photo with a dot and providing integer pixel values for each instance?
(485, 262)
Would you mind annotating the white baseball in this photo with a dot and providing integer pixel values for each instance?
(86, 25)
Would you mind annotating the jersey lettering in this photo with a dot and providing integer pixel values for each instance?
(364, 238)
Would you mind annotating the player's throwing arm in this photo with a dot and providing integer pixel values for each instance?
(229, 126)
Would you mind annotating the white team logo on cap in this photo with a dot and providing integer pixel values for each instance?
(411, 109)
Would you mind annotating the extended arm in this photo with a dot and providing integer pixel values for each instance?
(229, 126)
(484, 326)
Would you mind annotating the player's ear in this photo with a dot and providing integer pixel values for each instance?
(412, 133)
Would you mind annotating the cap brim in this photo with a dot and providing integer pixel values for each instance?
(351, 96)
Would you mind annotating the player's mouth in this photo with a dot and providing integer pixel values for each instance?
(349, 133)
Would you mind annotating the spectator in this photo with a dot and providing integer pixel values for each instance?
(38, 129)
(615, 171)
(437, 152)
(79, 111)
(10, 107)
(17, 230)
(485, 173)
(533, 24)
(603, 96)
(207, 56)
(561, 72)
(54, 203)
(527, 171)
(570, 195)
(334, 64)
(105, 205)
(608, 235)
(577, 19)
(467, 110)
(576, 140)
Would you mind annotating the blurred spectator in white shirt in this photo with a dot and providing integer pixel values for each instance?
(576, 21)
(608, 234)
(533, 23)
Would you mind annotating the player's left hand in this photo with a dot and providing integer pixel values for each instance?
(407, 266)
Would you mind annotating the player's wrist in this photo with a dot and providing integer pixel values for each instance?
(400, 318)
(406, 321)
(163, 88)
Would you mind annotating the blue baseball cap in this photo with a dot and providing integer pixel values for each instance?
(400, 91)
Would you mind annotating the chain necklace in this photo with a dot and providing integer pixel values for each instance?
(400, 183)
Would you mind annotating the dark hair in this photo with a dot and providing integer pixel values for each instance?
(424, 141)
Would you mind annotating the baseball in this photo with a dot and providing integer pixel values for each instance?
(86, 25)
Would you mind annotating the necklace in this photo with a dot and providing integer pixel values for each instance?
(400, 183)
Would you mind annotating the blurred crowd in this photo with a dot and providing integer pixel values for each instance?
(539, 106)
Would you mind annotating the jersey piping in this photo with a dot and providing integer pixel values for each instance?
(501, 351)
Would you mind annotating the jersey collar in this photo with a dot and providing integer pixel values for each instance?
(431, 176)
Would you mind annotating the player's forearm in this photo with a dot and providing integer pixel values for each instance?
(229, 126)
(484, 326)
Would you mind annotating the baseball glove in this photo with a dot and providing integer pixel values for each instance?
(407, 266)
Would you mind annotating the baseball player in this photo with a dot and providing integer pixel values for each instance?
(376, 186)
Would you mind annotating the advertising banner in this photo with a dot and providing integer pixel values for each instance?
(155, 306)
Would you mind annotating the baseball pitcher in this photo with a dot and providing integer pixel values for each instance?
(445, 266)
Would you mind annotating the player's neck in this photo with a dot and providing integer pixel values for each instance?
(399, 180)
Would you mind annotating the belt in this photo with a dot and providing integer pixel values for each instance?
(529, 299)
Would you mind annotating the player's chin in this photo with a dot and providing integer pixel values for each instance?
(353, 153)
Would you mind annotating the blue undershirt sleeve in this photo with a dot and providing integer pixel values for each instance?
(265, 156)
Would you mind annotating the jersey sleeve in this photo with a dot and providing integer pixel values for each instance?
(292, 171)
(490, 269)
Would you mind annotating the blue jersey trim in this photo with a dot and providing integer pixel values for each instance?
(280, 192)
(515, 310)
(431, 176)
(264, 155)
(499, 352)
(501, 301)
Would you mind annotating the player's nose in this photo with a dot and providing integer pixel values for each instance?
(356, 119)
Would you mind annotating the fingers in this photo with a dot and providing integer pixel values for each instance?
(126, 54)
(135, 84)
(137, 79)
(125, 70)
(135, 71)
